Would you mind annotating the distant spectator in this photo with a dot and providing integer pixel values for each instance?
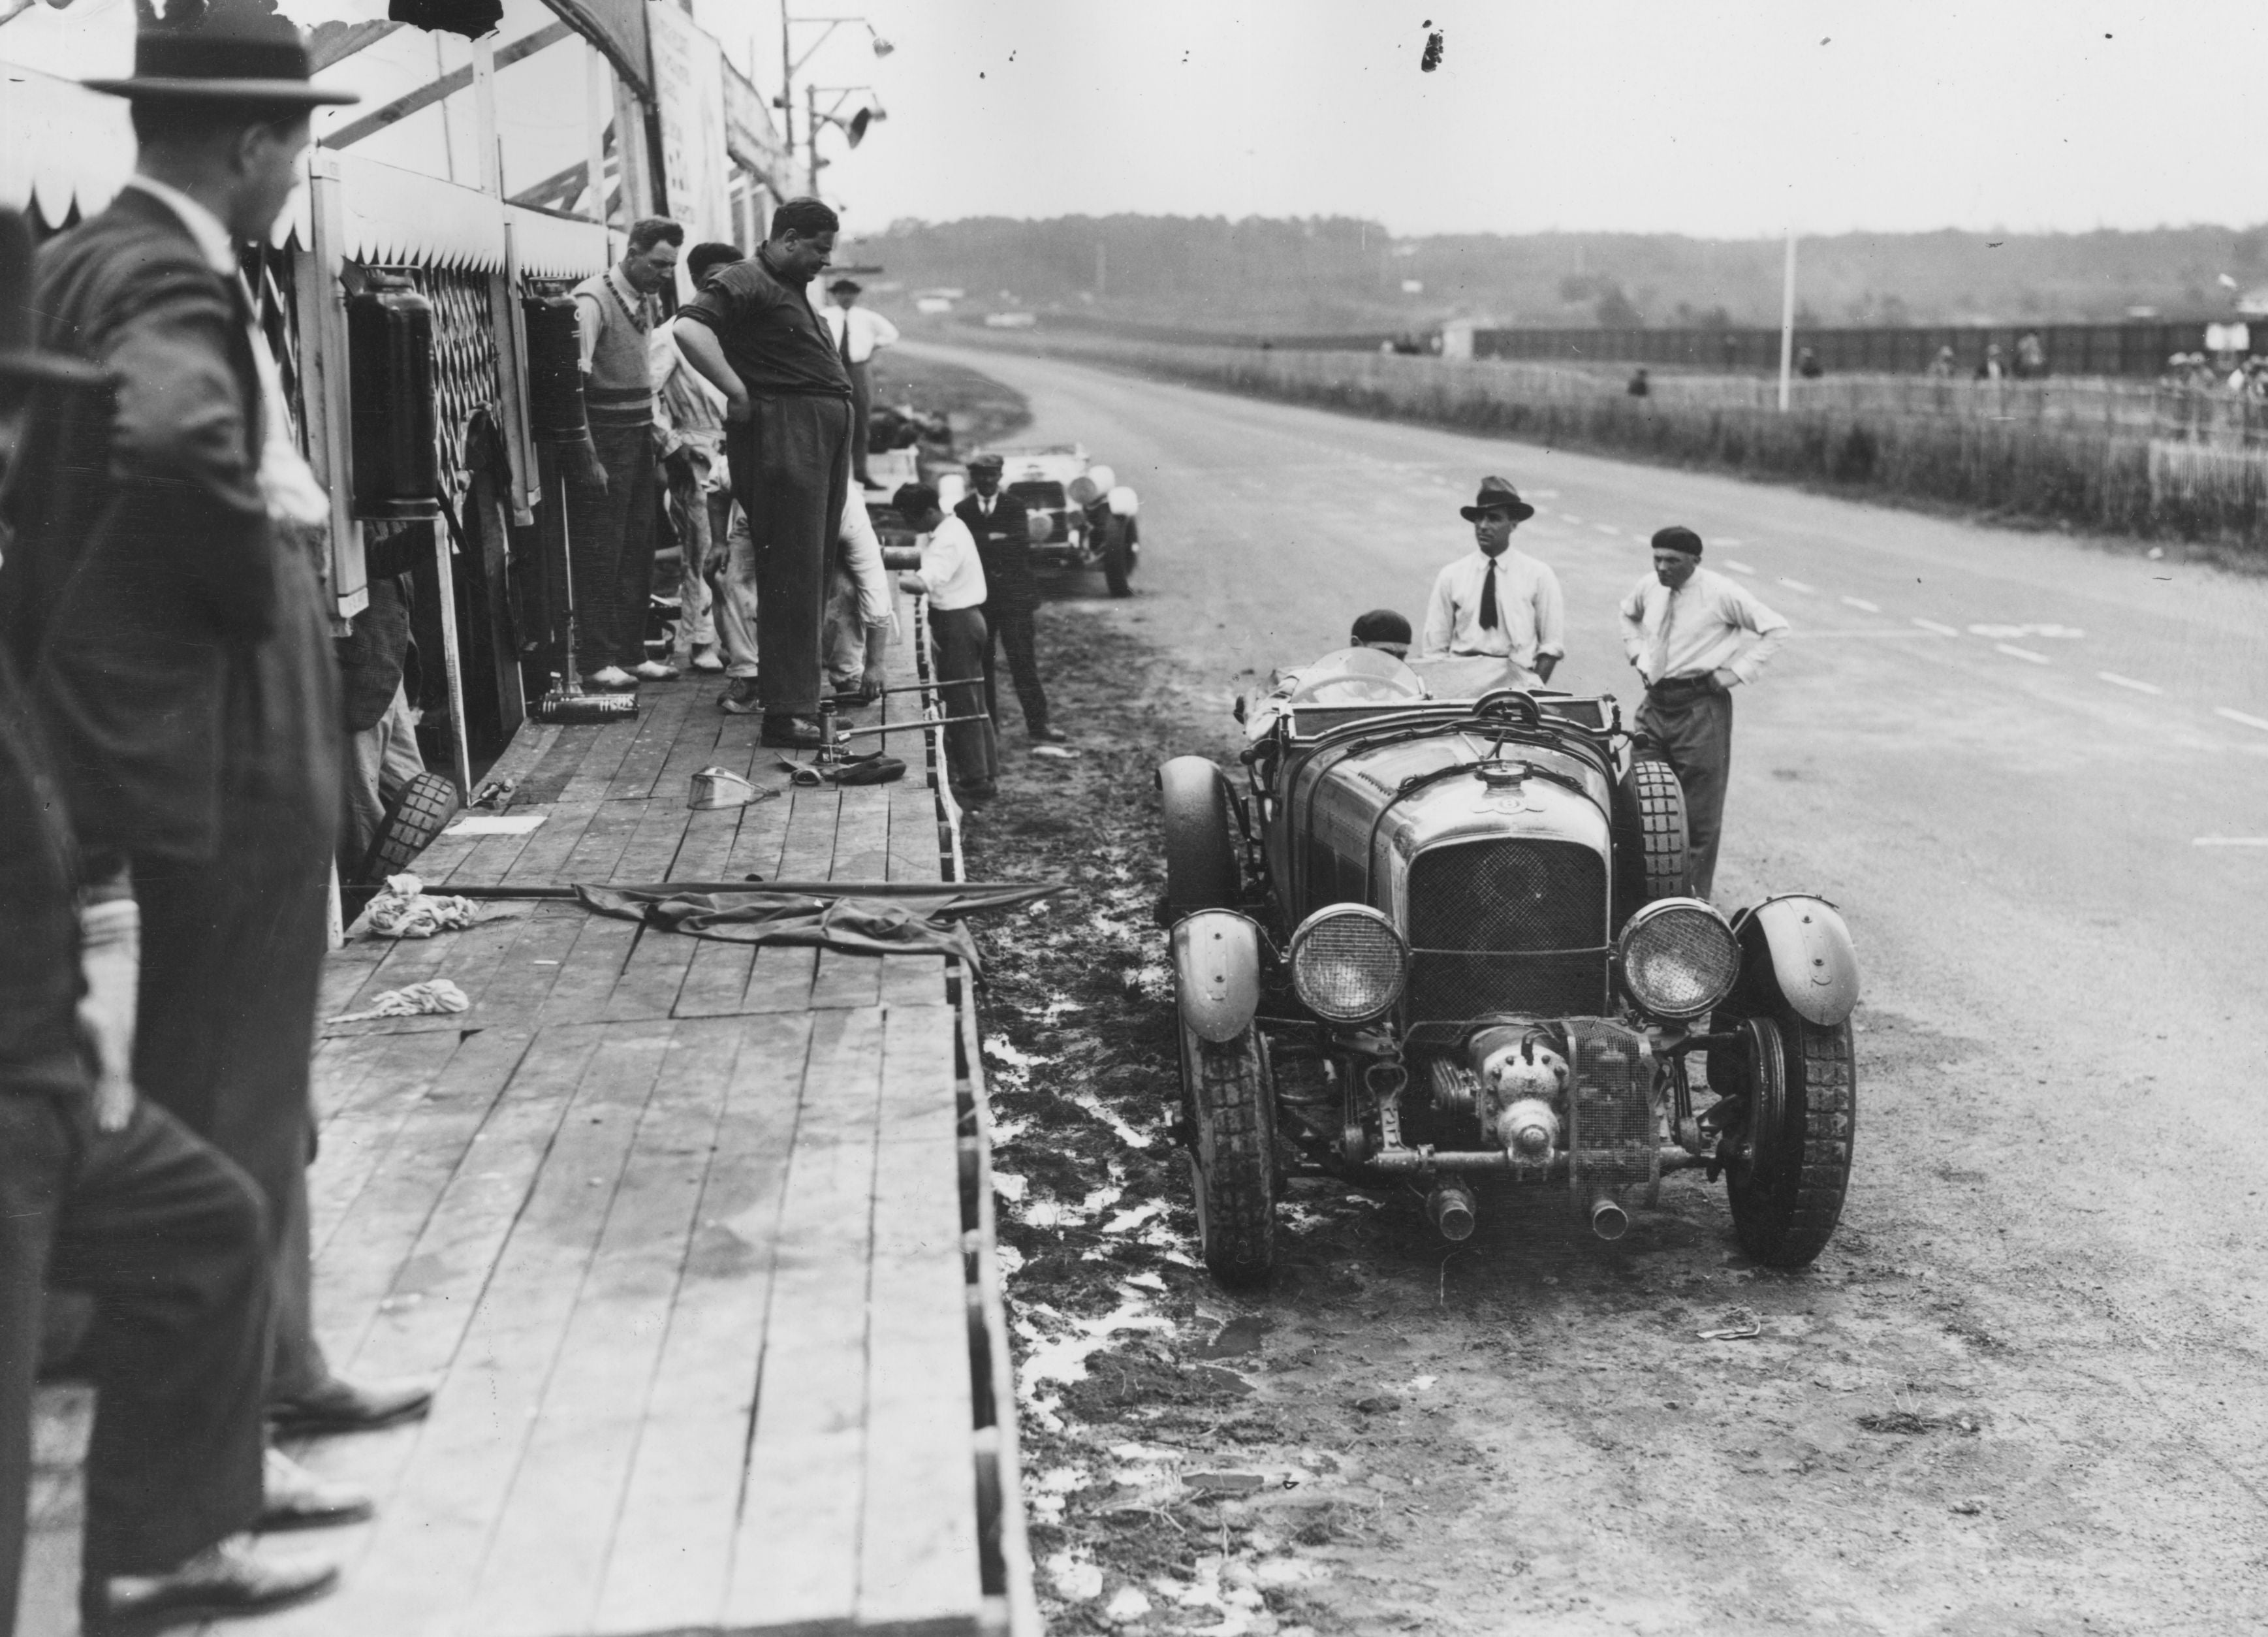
(1993, 367)
(859, 333)
(1944, 366)
(690, 414)
(1638, 386)
(1002, 529)
(611, 519)
(2031, 357)
(952, 576)
(1807, 364)
(760, 343)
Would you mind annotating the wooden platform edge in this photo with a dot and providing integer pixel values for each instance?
(1011, 1604)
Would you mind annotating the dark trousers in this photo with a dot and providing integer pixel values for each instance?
(791, 473)
(958, 641)
(165, 1234)
(231, 963)
(1010, 628)
(1693, 725)
(610, 551)
(862, 411)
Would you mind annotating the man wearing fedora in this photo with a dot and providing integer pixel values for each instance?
(858, 333)
(160, 601)
(108, 1198)
(1694, 636)
(1495, 600)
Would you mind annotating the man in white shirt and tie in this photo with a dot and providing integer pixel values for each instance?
(1694, 636)
(858, 333)
(1495, 600)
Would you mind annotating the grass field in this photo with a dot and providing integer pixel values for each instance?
(982, 411)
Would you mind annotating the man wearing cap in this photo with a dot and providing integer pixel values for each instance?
(1003, 531)
(1495, 600)
(858, 332)
(952, 577)
(1381, 629)
(1694, 636)
(161, 603)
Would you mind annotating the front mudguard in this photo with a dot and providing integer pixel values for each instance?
(1795, 951)
(1216, 973)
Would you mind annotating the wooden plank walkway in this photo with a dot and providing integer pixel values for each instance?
(689, 1232)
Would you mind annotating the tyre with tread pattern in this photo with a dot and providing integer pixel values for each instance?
(1118, 557)
(1230, 1100)
(1787, 1189)
(1650, 858)
(427, 804)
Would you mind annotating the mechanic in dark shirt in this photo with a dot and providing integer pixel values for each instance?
(1003, 542)
(757, 339)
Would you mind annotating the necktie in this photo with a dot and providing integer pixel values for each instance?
(1661, 638)
(845, 348)
(1489, 619)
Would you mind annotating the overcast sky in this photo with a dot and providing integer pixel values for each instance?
(1712, 118)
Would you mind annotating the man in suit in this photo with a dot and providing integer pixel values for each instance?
(109, 1198)
(1002, 529)
(160, 601)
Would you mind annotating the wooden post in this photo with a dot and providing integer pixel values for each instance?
(598, 96)
(630, 153)
(323, 381)
(1787, 321)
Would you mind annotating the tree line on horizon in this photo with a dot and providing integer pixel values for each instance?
(1325, 274)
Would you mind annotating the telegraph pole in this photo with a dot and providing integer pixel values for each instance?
(1787, 320)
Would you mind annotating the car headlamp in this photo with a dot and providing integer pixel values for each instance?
(1348, 963)
(1679, 958)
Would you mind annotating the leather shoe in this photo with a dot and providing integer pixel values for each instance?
(976, 794)
(1049, 737)
(339, 1406)
(224, 1581)
(789, 732)
(293, 1497)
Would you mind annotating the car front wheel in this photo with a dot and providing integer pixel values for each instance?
(1229, 1099)
(1788, 1182)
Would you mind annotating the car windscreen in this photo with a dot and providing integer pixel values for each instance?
(1357, 676)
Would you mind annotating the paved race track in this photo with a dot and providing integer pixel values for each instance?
(2033, 773)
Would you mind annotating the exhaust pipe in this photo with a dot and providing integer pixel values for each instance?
(1609, 1220)
(1450, 1205)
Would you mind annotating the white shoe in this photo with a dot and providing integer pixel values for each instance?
(655, 671)
(708, 659)
(610, 679)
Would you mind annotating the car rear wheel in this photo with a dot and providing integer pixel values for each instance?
(1786, 1187)
(1230, 1100)
(1201, 869)
(1649, 836)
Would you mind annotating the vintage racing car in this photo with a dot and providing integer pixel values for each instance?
(1442, 936)
(1089, 515)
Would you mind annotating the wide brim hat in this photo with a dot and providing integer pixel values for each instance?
(851, 284)
(232, 53)
(1496, 495)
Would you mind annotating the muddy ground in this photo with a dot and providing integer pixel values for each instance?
(1533, 1431)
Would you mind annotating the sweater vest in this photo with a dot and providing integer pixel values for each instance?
(619, 390)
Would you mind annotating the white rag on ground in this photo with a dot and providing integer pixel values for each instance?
(438, 995)
(405, 910)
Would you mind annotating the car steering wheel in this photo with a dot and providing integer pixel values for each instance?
(1497, 701)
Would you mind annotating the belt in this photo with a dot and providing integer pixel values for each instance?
(1682, 687)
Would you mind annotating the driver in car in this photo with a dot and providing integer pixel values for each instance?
(1498, 601)
(1381, 629)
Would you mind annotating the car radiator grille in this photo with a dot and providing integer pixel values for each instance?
(1507, 926)
(1049, 498)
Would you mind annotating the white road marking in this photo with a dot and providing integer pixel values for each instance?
(2117, 681)
(1606, 528)
(1932, 625)
(2069, 633)
(2229, 841)
(2015, 652)
(1796, 585)
(2238, 716)
(1860, 603)
(1738, 568)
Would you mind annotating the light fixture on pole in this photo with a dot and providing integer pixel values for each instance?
(853, 128)
(790, 65)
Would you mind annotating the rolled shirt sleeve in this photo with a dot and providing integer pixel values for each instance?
(862, 553)
(1769, 628)
(1550, 612)
(589, 317)
(879, 331)
(1633, 621)
(1440, 616)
